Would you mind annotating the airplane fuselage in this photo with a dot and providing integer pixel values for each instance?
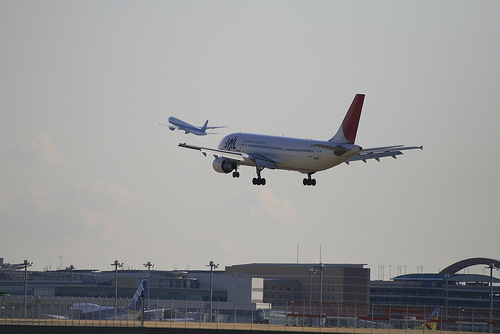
(186, 127)
(295, 154)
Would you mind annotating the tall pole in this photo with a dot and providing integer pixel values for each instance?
(212, 266)
(311, 270)
(116, 264)
(70, 269)
(321, 268)
(447, 276)
(149, 265)
(491, 296)
(26, 265)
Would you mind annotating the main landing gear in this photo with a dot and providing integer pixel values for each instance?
(236, 174)
(259, 181)
(309, 181)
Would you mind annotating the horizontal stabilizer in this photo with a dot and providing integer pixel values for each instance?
(382, 152)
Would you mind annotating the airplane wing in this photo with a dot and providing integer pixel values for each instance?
(239, 156)
(381, 152)
(216, 127)
(263, 161)
(258, 159)
(170, 126)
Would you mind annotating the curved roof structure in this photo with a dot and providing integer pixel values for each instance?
(457, 266)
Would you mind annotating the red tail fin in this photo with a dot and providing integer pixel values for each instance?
(348, 129)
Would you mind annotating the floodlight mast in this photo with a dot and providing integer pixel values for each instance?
(116, 264)
(26, 265)
(321, 267)
(70, 269)
(491, 266)
(311, 271)
(149, 265)
(212, 266)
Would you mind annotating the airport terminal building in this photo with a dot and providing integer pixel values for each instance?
(290, 282)
(276, 284)
(167, 285)
(448, 288)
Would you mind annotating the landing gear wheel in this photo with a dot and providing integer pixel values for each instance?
(309, 181)
(259, 181)
(236, 174)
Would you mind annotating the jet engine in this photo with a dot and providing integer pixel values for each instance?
(222, 165)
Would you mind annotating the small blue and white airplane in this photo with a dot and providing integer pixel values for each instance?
(96, 312)
(176, 123)
(302, 155)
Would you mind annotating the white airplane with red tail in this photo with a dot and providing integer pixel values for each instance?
(302, 155)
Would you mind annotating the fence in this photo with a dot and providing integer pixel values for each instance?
(300, 316)
(404, 317)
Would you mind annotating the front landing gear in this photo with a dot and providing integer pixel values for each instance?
(259, 181)
(309, 181)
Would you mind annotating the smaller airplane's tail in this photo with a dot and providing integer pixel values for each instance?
(349, 127)
(432, 320)
(204, 127)
(136, 303)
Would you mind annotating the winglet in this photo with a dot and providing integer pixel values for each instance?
(348, 129)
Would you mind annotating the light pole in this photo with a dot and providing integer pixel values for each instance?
(149, 265)
(311, 271)
(491, 266)
(70, 269)
(321, 268)
(26, 265)
(446, 278)
(212, 266)
(116, 264)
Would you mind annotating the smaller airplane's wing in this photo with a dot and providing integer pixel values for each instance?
(239, 156)
(170, 126)
(381, 152)
(216, 127)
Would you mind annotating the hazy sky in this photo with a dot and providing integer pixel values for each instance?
(87, 174)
